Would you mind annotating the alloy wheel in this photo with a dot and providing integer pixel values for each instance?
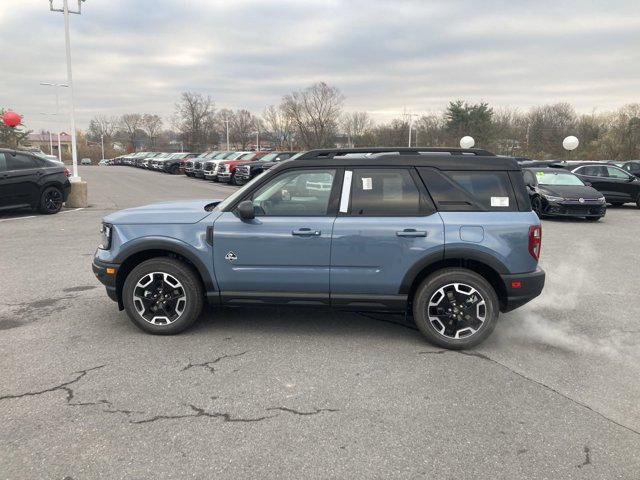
(456, 310)
(53, 200)
(159, 298)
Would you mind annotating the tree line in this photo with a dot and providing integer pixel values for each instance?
(315, 117)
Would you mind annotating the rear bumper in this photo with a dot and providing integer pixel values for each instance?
(107, 279)
(521, 288)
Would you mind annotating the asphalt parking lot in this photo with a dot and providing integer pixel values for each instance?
(299, 393)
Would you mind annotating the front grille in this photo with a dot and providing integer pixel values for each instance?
(197, 165)
(208, 167)
(189, 165)
(243, 170)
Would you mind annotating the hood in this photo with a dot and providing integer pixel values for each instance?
(258, 163)
(573, 192)
(180, 211)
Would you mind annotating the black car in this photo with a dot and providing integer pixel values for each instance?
(246, 171)
(617, 186)
(28, 180)
(557, 193)
(174, 164)
(632, 167)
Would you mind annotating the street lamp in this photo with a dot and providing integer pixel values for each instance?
(411, 115)
(57, 89)
(226, 120)
(65, 10)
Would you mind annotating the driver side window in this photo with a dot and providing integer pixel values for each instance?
(295, 193)
(617, 173)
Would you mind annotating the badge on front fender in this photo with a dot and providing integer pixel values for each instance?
(231, 256)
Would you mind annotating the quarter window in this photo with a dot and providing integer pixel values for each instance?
(617, 173)
(295, 193)
(379, 192)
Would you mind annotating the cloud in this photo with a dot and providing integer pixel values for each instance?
(384, 55)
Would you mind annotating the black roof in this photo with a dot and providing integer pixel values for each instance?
(441, 158)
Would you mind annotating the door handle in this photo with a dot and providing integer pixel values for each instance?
(306, 232)
(411, 232)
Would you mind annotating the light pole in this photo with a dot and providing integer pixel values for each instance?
(65, 10)
(257, 140)
(411, 115)
(226, 120)
(102, 143)
(57, 90)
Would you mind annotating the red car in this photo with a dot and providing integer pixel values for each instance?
(227, 169)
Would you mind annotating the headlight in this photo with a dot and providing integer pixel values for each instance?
(602, 200)
(105, 232)
(551, 198)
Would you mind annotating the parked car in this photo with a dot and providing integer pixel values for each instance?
(85, 161)
(617, 186)
(558, 193)
(226, 171)
(361, 232)
(189, 163)
(632, 167)
(210, 166)
(175, 163)
(27, 180)
(247, 171)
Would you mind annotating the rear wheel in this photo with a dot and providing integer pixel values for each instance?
(51, 200)
(455, 308)
(162, 296)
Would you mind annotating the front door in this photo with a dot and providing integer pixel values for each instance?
(386, 225)
(19, 181)
(284, 252)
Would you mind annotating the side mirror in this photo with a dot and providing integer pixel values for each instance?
(245, 210)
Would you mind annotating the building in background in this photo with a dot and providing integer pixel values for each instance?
(41, 141)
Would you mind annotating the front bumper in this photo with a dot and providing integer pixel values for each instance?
(224, 177)
(106, 273)
(242, 179)
(521, 288)
(574, 209)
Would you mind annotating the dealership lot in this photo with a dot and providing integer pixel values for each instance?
(294, 392)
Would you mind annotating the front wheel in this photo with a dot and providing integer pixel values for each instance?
(51, 200)
(455, 308)
(174, 170)
(593, 219)
(536, 206)
(162, 296)
(638, 201)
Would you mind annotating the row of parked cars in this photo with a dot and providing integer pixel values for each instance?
(580, 189)
(236, 168)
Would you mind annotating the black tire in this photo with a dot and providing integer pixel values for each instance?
(442, 278)
(638, 201)
(51, 200)
(232, 180)
(191, 288)
(536, 206)
(174, 170)
(593, 219)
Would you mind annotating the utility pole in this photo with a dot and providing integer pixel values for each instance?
(226, 120)
(65, 10)
(50, 143)
(257, 140)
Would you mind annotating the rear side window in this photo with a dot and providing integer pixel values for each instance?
(592, 171)
(21, 162)
(381, 192)
(470, 190)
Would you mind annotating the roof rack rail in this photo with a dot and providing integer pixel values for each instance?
(333, 152)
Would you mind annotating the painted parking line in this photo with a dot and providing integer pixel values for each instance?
(36, 216)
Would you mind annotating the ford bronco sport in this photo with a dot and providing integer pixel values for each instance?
(445, 234)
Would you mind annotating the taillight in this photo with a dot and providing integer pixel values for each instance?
(535, 240)
(67, 172)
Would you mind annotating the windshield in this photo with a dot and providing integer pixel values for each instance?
(268, 157)
(248, 156)
(557, 178)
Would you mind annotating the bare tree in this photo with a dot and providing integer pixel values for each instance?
(102, 126)
(152, 125)
(355, 125)
(278, 126)
(314, 112)
(130, 124)
(194, 120)
(243, 127)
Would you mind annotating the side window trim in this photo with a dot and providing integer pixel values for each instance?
(346, 191)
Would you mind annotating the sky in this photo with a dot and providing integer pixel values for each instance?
(136, 56)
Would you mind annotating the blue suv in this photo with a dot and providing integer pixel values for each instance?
(445, 234)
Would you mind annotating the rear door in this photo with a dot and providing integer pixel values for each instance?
(386, 225)
(624, 182)
(599, 179)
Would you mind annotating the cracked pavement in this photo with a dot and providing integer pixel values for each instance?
(291, 392)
